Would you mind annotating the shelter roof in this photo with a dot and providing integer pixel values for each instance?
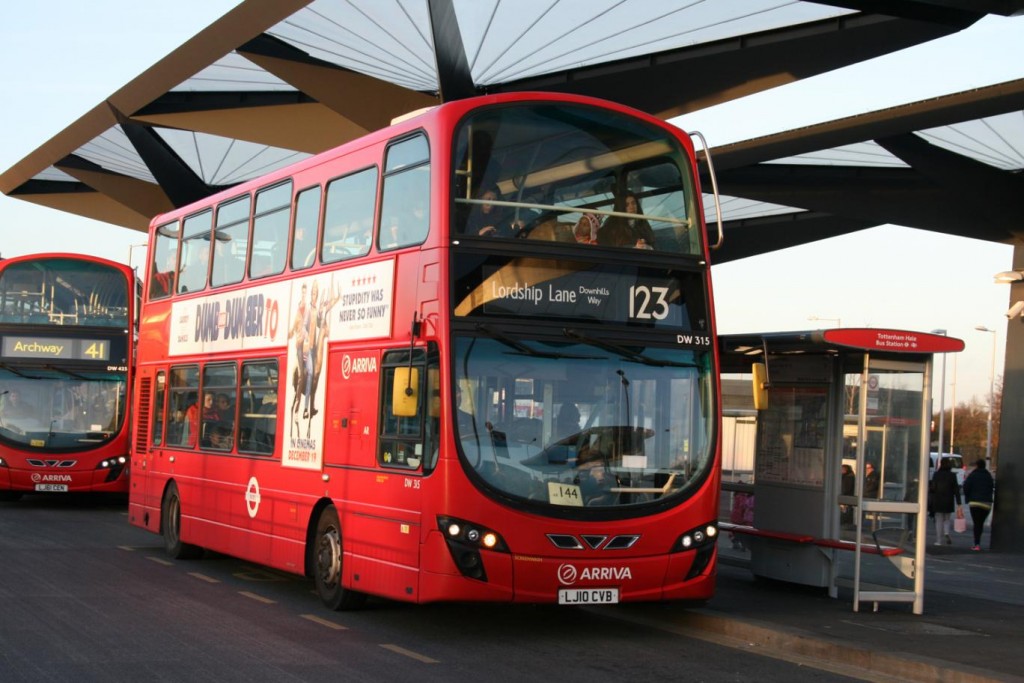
(271, 83)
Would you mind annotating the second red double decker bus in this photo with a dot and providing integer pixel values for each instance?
(468, 357)
(67, 328)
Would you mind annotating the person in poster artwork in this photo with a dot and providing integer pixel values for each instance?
(299, 331)
(320, 325)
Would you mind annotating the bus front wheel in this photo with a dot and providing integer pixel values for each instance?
(327, 565)
(171, 523)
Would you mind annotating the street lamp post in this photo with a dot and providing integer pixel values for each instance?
(942, 399)
(991, 393)
(952, 411)
(131, 250)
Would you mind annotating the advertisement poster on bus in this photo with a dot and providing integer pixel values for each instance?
(252, 318)
(342, 305)
(345, 305)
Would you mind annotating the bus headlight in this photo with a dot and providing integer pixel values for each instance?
(465, 540)
(699, 537)
(115, 466)
(702, 540)
(108, 463)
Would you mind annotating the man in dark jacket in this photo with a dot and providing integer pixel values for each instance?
(979, 490)
(943, 491)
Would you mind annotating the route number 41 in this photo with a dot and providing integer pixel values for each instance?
(96, 350)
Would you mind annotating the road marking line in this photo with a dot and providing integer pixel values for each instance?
(324, 622)
(160, 560)
(204, 577)
(409, 653)
(258, 598)
(127, 547)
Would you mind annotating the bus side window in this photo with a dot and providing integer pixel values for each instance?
(195, 252)
(270, 230)
(405, 203)
(183, 406)
(159, 396)
(218, 421)
(401, 438)
(307, 218)
(164, 266)
(257, 432)
(231, 242)
(348, 216)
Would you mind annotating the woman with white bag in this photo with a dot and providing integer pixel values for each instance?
(943, 491)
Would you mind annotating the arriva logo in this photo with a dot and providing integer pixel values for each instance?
(568, 574)
(62, 478)
(351, 366)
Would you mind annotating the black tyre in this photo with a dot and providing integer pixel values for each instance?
(327, 559)
(171, 527)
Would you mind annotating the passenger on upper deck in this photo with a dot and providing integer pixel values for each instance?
(618, 231)
(163, 275)
(586, 229)
(487, 219)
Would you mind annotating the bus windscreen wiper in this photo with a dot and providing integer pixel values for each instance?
(69, 373)
(575, 335)
(521, 347)
(14, 370)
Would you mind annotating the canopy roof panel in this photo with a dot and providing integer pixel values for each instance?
(270, 83)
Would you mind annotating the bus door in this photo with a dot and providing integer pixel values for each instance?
(352, 398)
(384, 524)
(891, 460)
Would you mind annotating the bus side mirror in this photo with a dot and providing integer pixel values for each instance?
(760, 385)
(405, 392)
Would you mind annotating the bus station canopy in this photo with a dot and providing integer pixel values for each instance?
(273, 82)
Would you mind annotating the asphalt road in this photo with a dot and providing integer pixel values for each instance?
(87, 597)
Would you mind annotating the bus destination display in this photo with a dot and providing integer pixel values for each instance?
(56, 348)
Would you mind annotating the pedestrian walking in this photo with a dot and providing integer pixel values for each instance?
(979, 491)
(944, 496)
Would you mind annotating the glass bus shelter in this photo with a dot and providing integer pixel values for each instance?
(827, 491)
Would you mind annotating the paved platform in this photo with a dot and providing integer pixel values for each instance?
(972, 628)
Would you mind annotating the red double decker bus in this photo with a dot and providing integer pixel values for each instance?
(468, 357)
(67, 326)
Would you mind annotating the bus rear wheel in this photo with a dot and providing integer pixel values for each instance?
(171, 523)
(327, 559)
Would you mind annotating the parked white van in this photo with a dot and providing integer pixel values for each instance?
(958, 466)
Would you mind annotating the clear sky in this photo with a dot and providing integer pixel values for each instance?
(64, 57)
(887, 276)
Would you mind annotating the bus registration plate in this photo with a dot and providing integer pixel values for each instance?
(588, 596)
(52, 488)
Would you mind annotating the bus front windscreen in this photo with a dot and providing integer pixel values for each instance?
(53, 410)
(573, 174)
(583, 423)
